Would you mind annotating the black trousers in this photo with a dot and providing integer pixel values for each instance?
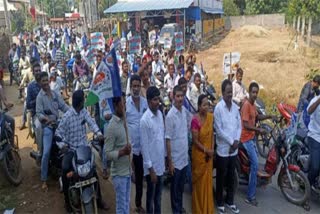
(138, 172)
(176, 189)
(67, 167)
(225, 177)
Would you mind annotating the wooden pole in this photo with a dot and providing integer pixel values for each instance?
(230, 74)
(126, 129)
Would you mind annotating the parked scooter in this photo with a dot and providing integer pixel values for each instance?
(10, 160)
(293, 183)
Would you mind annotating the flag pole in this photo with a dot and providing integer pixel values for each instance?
(126, 130)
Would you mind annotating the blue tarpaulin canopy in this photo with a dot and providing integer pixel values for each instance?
(147, 5)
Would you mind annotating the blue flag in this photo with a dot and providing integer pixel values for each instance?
(84, 40)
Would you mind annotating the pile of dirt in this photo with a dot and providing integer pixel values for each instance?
(252, 31)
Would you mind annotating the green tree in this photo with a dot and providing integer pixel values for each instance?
(230, 8)
(265, 6)
(54, 8)
(104, 4)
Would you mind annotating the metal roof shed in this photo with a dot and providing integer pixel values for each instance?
(126, 6)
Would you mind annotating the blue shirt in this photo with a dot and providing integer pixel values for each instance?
(135, 68)
(32, 93)
(133, 121)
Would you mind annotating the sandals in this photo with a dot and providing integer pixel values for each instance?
(44, 187)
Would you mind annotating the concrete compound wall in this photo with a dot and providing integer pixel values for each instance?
(268, 20)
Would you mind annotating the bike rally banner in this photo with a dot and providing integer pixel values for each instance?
(135, 44)
(179, 41)
(152, 37)
(97, 40)
(167, 43)
(231, 62)
(90, 56)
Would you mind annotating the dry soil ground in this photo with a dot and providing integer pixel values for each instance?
(268, 57)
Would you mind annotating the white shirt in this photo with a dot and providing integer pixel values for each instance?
(177, 133)
(46, 69)
(176, 81)
(152, 142)
(239, 92)
(227, 125)
(156, 67)
(314, 125)
(169, 82)
(194, 94)
(133, 121)
(57, 85)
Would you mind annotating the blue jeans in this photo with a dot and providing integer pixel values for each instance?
(314, 147)
(122, 187)
(154, 195)
(253, 157)
(176, 189)
(46, 145)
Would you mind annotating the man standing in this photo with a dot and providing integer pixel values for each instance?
(249, 116)
(118, 150)
(157, 65)
(136, 105)
(183, 83)
(48, 105)
(12, 54)
(308, 92)
(153, 151)
(169, 79)
(195, 91)
(227, 123)
(314, 142)
(125, 76)
(239, 92)
(177, 148)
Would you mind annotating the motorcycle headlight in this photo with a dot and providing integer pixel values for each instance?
(84, 169)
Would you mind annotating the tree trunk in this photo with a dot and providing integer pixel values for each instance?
(294, 22)
(298, 24)
(309, 31)
(303, 26)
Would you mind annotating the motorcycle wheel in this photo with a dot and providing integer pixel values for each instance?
(294, 157)
(301, 185)
(11, 166)
(264, 144)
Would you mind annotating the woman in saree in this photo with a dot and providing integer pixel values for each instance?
(202, 154)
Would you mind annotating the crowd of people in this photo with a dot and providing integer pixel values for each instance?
(141, 140)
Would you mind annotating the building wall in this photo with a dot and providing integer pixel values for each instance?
(268, 20)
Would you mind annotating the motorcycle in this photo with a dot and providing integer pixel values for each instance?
(264, 142)
(55, 160)
(10, 160)
(291, 178)
(82, 191)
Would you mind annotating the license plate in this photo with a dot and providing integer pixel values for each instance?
(86, 182)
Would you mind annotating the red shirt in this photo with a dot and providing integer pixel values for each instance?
(249, 114)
